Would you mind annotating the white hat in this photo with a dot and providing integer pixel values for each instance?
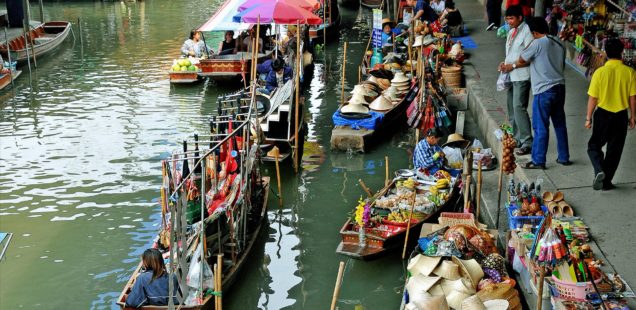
(420, 284)
(353, 107)
(382, 104)
(400, 78)
(360, 89)
(448, 270)
(358, 98)
(422, 264)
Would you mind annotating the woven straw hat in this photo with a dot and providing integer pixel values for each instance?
(359, 89)
(436, 290)
(428, 302)
(400, 77)
(469, 269)
(497, 304)
(456, 298)
(497, 291)
(354, 107)
(420, 284)
(381, 104)
(422, 264)
(472, 303)
(358, 98)
(447, 270)
(458, 140)
(460, 285)
(391, 93)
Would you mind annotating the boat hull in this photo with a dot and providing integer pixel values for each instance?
(184, 77)
(41, 40)
(5, 80)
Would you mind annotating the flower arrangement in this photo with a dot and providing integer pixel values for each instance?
(363, 213)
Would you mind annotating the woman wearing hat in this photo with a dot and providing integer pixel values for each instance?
(428, 154)
(387, 31)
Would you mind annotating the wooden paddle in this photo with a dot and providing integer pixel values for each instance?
(336, 290)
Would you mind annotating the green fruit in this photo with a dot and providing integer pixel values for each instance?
(176, 67)
(184, 68)
(192, 68)
(187, 63)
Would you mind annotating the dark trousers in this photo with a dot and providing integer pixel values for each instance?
(611, 129)
(493, 10)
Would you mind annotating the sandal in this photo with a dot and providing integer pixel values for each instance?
(532, 165)
(555, 209)
(558, 196)
(566, 209)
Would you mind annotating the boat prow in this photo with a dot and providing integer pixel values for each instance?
(6, 78)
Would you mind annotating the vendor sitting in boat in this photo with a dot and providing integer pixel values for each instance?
(151, 285)
(278, 76)
(194, 46)
(265, 67)
(428, 155)
(228, 45)
(387, 31)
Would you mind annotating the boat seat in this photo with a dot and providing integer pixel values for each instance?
(42, 40)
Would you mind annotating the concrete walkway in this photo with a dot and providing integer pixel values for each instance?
(610, 215)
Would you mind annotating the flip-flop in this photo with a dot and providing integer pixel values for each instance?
(566, 209)
(532, 165)
(558, 196)
(555, 209)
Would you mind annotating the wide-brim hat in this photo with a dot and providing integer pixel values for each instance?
(422, 264)
(391, 93)
(469, 269)
(381, 104)
(400, 77)
(456, 140)
(497, 291)
(420, 284)
(460, 285)
(455, 299)
(273, 152)
(388, 21)
(358, 98)
(354, 108)
(497, 304)
(428, 302)
(447, 270)
(359, 89)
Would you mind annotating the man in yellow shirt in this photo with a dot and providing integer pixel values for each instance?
(612, 92)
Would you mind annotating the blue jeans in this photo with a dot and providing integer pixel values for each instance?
(549, 105)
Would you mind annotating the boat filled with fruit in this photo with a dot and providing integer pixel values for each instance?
(185, 70)
(382, 222)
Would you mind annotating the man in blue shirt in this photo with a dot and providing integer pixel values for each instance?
(278, 76)
(428, 155)
(425, 12)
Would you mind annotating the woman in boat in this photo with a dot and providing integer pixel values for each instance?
(3, 70)
(427, 154)
(247, 41)
(151, 285)
(228, 45)
(194, 46)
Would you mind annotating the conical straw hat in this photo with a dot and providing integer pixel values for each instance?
(457, 139)
(473, 303)
(455, 299)
(460, 285)
(400, 77)
(447, 270)
(381, 104)
(422, 264)
(436, 290)
(497, 304)
(429, 302)
(420, 284)
(469, 269)
(358, 98)
(391, 93)
(354, 107)
(359, 89)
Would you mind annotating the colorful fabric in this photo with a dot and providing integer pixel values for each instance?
(613, 84)
(423, 156)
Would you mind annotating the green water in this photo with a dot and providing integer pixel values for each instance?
(80, 149)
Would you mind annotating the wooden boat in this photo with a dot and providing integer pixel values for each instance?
(331, 26)
(345, 138)
(372, 4)
(5, 79)
(184, 77)
(40, 40)
(388, 236)
(219, 205)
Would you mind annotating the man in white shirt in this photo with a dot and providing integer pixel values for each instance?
(519, 37)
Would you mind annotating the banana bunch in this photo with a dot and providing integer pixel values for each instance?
(442, 183)
(398, 216)
(409, 183)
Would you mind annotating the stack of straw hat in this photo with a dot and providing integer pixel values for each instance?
(381, 103)
(357, 104)
(401, 83)
(366, 92)
(383, 83)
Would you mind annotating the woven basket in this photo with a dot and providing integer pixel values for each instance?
(452, 76)
(452, 219)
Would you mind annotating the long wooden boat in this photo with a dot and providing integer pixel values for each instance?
(228, 67)
(40, 40)
(345, 138)
(331, 26)
(5, 79)
(388, 236)
(372, 4)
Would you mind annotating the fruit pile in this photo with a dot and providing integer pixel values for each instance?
(508, 162)
(183, 65)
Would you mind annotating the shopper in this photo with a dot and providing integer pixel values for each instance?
(519, 38)
(611, 93)
(546, 58)
(493, 12)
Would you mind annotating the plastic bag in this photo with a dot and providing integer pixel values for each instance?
(194, 273)
(503, 82)
(477, 145)
(454, 157)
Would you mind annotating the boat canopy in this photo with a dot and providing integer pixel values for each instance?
(222, 19)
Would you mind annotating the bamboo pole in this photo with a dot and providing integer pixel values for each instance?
(499, 185)
(344, 65)
(359, 74)
(219, 271)
(41, 11)
(540, 290)
(336, 290)
(408, 225)
(467, 194)
(386, 164)
(297, 112)
(280, 192)
(365, 188)
(27, 29)
(479, 180)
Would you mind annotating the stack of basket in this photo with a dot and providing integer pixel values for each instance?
(452, 76)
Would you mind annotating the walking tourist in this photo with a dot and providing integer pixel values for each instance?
(611, 93)
(427, 154)
(546, 58)
(493, 12)
(151, 285)
(519, 38)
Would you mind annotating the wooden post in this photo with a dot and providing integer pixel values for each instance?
(219, 290)
(359, 74)
(27, 29)
(386, 164)
(479, 180)
(280, 192)
(408, 224)
(296, 119)
(41, 11)
(499, 185)
(344, 65)
(336, 290)
(365, 188)
(467, 194)
(540, 289)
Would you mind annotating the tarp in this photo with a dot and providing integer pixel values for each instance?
(370, 123)
(222, 19)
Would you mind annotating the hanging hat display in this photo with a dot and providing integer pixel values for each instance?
(422, 264)
(381, 104)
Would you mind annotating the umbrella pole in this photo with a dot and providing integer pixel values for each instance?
(344, 65)
(296, 114)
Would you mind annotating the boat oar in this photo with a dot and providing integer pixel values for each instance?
(408, 224)
(336, 290)
(365, 188)
(479, 180)
(386, 164)
(344, 65)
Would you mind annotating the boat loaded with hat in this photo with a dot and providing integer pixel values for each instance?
(377, 107)
(382, 223)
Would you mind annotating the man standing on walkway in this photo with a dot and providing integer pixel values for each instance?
(493, 12)
(612, 88)
(546, 58)
(519, 38)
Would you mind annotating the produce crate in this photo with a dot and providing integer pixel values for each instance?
(517, 222)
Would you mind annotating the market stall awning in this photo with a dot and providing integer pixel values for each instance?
(309, 5)
(278, 12)
(222, 20)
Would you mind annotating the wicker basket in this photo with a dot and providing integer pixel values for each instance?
(452, 219)
(452, 76)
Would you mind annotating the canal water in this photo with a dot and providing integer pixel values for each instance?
(81, 139)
